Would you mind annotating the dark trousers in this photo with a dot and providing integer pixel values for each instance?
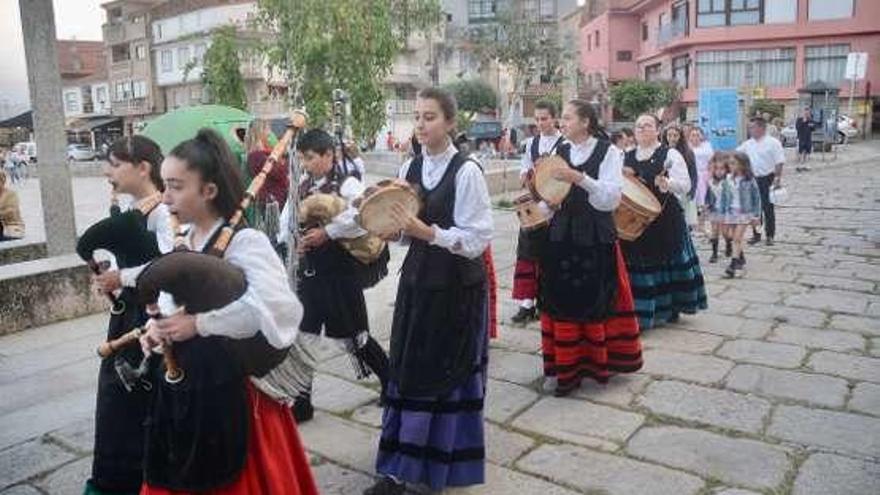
(764, 185)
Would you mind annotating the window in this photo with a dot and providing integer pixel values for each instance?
(140, 52)
(167, 63)
(830, 9)
(825, 63)
(589, 43)
(115, 14)
(664, 18)
(681, 70)
(481, 10)
(548, 8)
(711, 13)
(644, 31)
(195, 94)
(680, 18)
(652, 72)
(780, 11)
(71, 102)
(157, 31)
(200, 53)
(745, 12)
(736, 68)
(120, 52)
(624, 56)
(123, 90)
(101, 96)
(182, 57)
(139, 89)
(597, 39)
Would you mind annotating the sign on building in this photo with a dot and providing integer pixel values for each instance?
(719, 116)
(856, 65)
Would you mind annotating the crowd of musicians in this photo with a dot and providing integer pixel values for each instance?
(210, 400)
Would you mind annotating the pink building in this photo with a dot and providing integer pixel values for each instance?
(772, 47)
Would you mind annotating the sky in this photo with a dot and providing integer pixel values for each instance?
(79, 19)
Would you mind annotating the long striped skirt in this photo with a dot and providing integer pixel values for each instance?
(665, 289)
(437, 441)
(574, 350)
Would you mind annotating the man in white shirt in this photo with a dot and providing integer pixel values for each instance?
(525, 275)
(767, 158)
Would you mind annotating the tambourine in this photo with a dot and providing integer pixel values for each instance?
(544, 186)
(374, 208)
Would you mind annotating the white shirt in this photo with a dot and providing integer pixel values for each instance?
(545, 145)
(604, 192)
(679, 179)
(764, 154)
(158, 221)
(472, 212)
(268, 305)
(702, 154)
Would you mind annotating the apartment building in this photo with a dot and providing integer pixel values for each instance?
(767, 48)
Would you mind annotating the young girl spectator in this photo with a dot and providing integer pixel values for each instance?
(740, 205)
(718, 171)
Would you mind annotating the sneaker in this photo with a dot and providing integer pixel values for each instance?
(386, 486)
(524, 315)
(730, 271)
(713, 258)
(755, 239)
(302, 409)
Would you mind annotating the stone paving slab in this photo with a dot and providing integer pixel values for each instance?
(866, 399)
(578, 421)
(757, 352)
(691, 367)
(867, 326)
(607, 474)
(21, 490)
(705, 405)
(785, 314)
(28, 460)
(336, 480)
(737, 461)
(681, 341)
(619, 391)
(846, 365)
(503, 480)
(807, 387)
(515, 367)
(347, 443)
(79, 436)
(826, 339)
(727, 326)
(843, 432)
(827, 474)
(336, 395)
(504, 446)
(69, 479)
(505, 400)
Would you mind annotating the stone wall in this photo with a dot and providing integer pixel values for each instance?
(39, 292)
(19, 251)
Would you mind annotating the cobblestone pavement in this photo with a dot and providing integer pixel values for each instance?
(774, 390)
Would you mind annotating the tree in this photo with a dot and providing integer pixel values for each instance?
(520, 42)
(349, 44)
(760, 107)
(473, 96)
(634, 97)
(221, 69)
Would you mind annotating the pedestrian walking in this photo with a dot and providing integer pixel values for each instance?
(767, 158)
(740, 205)
(804, 126)
(719, 170)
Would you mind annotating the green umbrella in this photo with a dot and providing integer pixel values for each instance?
(179, 125)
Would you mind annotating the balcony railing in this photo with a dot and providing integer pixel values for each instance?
(670, 31)
(133, 106)
(124, 31)
(402, 106)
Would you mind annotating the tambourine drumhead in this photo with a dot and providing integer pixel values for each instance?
(638, 196)
(374, 212)
(551, 190)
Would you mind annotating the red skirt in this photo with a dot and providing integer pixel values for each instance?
(492, 285)
(276, 463)
(525, 279)
(574, 350)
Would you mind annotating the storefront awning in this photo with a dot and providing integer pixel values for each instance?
(93, 124)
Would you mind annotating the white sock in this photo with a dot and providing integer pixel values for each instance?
(526, 303)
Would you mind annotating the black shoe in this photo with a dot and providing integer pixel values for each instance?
(713, 258)
(730, 271)
(769, 241)
(302, 409)
(386, 486)
(728, 248)
(524, 315)
(755, 239)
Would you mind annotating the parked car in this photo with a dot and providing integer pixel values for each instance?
(846, 130)
(80, 152)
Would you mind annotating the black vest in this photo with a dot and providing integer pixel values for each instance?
(535, 149)
(577, 221)
(434, 267)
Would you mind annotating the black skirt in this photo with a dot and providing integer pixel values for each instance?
(331, 294)
(578, 283)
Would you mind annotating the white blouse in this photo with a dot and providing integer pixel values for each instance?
(158, 222)
(679, 179)
(545, 145)
(702, 154)
(268, 305)
(604, 192)
(472, 212)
